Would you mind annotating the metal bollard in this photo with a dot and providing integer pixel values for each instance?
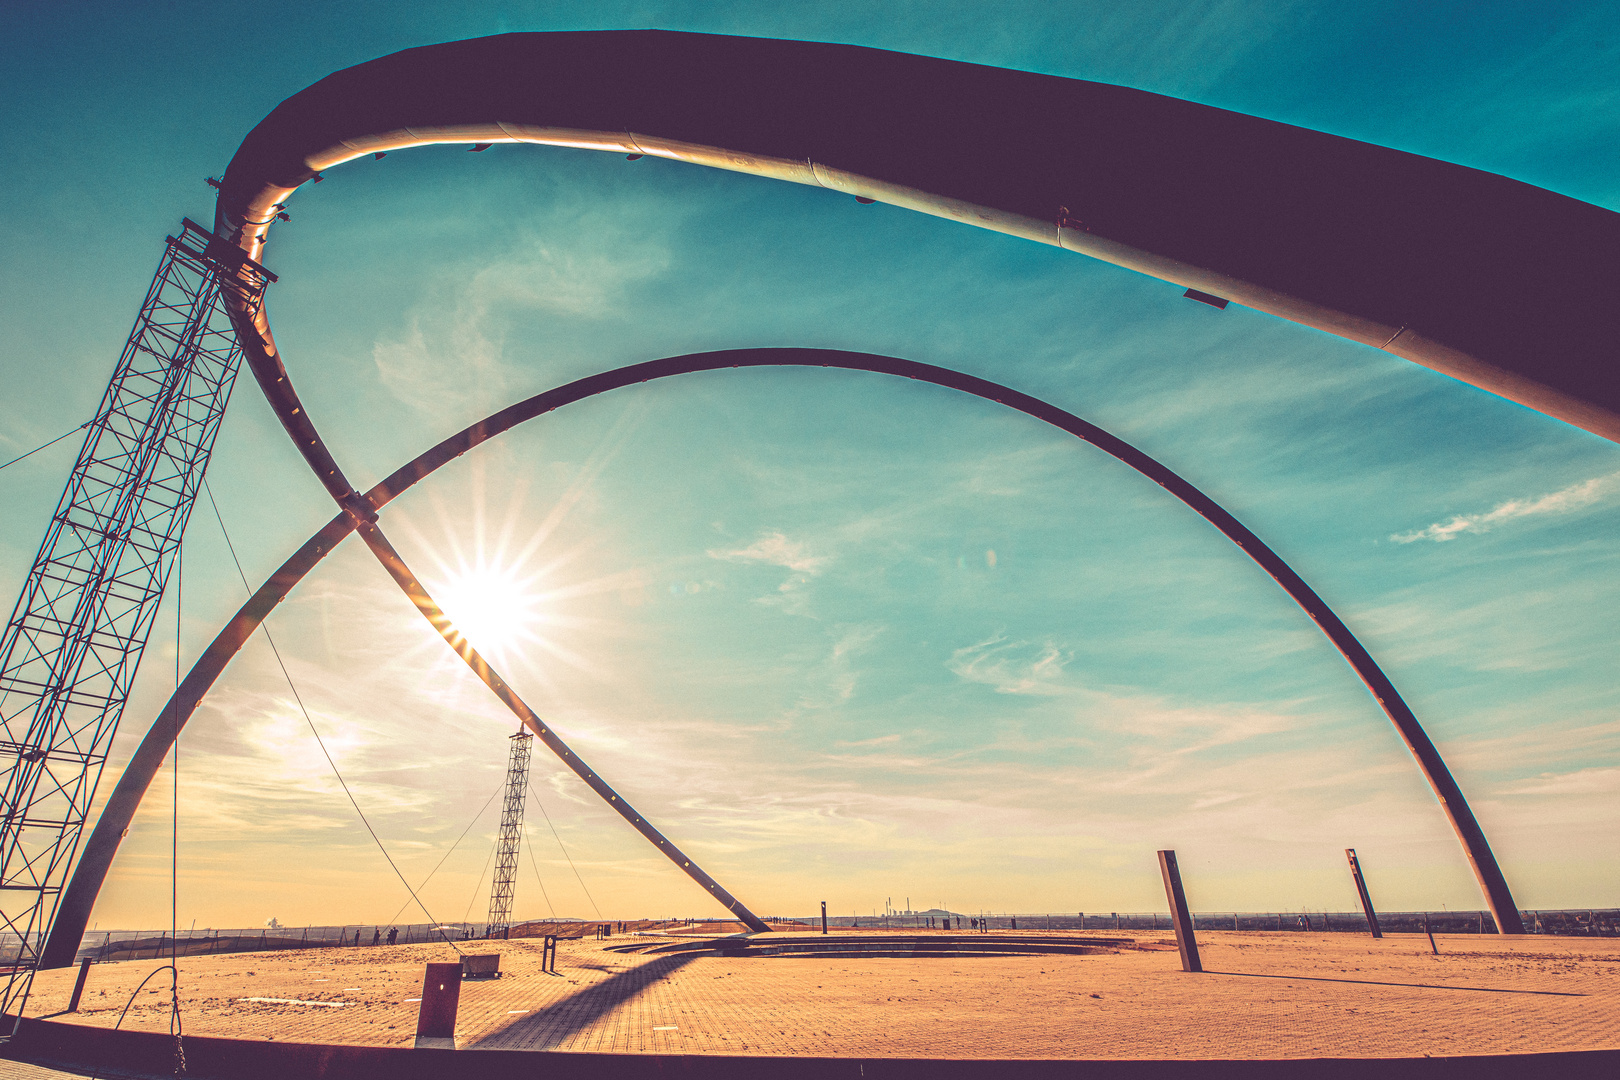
(78, 985)
(548, 955)
(441, 995)
(824, 916)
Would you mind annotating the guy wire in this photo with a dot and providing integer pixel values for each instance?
(53, 442)
(314, 731)
(177, 1025)
(176, 1022)
(453, 847)
(564, 850)
(534, 864)
(479, 887)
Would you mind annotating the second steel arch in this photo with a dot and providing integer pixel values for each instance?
(103, 844)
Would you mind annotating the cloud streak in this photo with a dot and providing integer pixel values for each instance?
(573, 267)
(1008, 667)
(775, 549)
(1564, 501)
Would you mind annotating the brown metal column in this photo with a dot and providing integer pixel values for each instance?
(1179, 913)
(441, 997)
(1361, 888)
(78, 985)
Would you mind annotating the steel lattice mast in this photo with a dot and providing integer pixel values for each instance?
(503, 889)
(75, 637)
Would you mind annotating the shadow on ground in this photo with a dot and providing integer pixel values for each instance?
(556, 1024)
(1415, 986)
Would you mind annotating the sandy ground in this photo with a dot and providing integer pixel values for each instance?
(21, 1070)
(1262, 996)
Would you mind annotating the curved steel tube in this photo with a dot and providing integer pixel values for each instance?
(98, 854)
(1496, 282)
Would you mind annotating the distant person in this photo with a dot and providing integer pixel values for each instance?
(357, 936)
(376, 936)
(393, 934)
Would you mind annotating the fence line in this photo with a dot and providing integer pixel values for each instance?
(1600, 922)
(111, 945)
(106, 946)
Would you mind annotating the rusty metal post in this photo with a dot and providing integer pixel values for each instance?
(1361, 888)
(1185, 942)
(824, 916)
(441, 995)
(78, 985)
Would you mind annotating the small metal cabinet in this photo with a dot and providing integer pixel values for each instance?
(481, 966)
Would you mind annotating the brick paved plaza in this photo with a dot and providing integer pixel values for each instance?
(1262, 995)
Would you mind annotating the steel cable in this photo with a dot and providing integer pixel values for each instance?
(53, 442)
(478, 887)
(535, 866)
(452, 850)
(564, 850)
(177, 1025)
(314, 731)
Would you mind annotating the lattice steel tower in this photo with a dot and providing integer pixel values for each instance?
(75, 638)
(504, 888)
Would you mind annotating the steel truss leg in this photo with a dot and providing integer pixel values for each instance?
(75, 638)
(503, 889)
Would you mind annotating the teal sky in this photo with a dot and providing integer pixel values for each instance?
(840, 636)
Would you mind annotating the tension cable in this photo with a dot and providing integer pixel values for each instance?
(316, 732)
(564, 850)
(534, 864)
(53, 442)
(452, 850)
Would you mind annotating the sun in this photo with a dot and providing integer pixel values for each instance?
(494, 607)
(508, 588)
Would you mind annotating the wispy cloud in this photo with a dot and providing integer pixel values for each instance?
(1012, 667)
(1579, 782)
(881, 740)
(843, 673)
(453, 347)
(1563, 501)
(775, 549)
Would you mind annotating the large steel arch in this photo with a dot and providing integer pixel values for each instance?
(74, 911)
(1498, 283)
